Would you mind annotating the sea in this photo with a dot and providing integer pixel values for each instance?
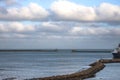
(26, 65)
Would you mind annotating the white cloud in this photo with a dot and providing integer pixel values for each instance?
(30, 12)
(49, 26)
(46, 27)
(66, 10)
(108, 12)
(21, 30)
(61, 10)
(15, 27)
(50, 29)
(70, 11)
(95, 31)
(82, 31)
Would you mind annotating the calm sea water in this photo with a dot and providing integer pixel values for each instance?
(25, 65)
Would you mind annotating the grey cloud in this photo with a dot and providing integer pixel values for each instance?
(95, 31)
(45, 29)
(3, 10)
(55, 30)
(9, 2)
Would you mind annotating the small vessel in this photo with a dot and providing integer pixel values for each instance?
(116, 52)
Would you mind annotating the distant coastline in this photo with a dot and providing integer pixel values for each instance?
(26, 50)
(92, 50)
(55, 50)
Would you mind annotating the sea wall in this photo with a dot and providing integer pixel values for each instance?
(90, 72)
(105, 61)
(78, 75)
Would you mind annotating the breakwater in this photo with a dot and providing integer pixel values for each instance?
(55, 50)
(92, 50)
(90, 72)
(105, 61)
(29, 50)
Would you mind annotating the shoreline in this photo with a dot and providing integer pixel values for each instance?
(84, 74)
(29, 50)
(55, 50)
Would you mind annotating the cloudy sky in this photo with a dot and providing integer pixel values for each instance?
(61, 24)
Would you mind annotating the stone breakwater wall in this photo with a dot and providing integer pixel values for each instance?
(90, 72)
(105, 61)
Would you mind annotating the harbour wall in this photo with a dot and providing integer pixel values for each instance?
(90, 72)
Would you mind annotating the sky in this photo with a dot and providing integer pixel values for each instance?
(59, 24)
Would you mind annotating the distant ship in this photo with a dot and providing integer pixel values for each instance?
(116, 52)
